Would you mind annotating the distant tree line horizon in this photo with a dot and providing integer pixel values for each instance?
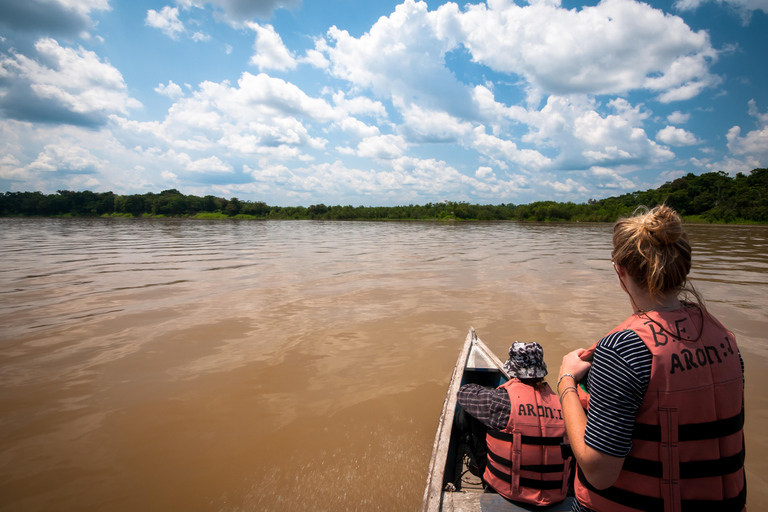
(711, 197)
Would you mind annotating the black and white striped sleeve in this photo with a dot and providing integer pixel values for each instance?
(618, 379)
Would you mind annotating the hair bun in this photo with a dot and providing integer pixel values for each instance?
(653, 247)
(662, 225)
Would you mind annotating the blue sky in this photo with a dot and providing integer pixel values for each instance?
(379, 102)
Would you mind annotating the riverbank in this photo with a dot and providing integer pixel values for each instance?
(688, 219)
(713, 198)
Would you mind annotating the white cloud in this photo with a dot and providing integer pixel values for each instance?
(66, 78)
(762, 119)
(502, 151)
(569, 185)
(730, 165)
(494, 111)
(381, 147)
(632, 115)
(359, 105)
(266, 93)
(700, 162)
(315, 59)
(668, 176)
(260, 116)
(399, 100)
(676, 137)
(678, 117)
(183, 162)
(9, 160)
(357, 128)
(200, 37)
(345, 150)
(11, 150)
(585, 137)
(411, 39)
(171, 90)
(85, 6)
(67, 18)
(743, 8)
(66, 159)
(406, 179)
(271, 53)
(431, 177)
(167, 20)
(212, 164)
(753, 146)
(237, 12)
(611, 179)
(614, 47)
(73, 158)
(422, 125)
(484, 173)
(531, 41)
(614, 139)
(10, 169)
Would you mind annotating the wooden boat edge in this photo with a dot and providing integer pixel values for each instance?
(433, 493)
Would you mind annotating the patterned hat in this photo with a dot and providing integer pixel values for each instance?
(526, 361)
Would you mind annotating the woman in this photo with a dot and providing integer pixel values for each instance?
(662, 430)
(525, 430)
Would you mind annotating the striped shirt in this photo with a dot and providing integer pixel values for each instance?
(617, 381)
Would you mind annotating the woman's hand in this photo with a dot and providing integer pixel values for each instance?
(574, 365)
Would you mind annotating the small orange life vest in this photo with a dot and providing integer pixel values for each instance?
(688, 444)
(524, 460)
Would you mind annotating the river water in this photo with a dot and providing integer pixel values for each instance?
(173, 364)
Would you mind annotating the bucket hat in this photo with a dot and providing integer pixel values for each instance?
(526, 361)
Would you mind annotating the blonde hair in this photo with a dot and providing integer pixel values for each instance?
(653, 247)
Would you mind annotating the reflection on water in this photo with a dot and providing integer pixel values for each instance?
(175, 364)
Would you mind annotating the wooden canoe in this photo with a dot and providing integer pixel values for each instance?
(449, 487)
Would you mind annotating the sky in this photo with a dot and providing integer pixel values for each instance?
(380, 103)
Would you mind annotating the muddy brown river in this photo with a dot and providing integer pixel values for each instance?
(170, 364)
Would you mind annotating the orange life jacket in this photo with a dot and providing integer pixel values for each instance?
(688, 444)
(524, 460)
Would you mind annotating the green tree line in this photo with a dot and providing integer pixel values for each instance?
(710, 197)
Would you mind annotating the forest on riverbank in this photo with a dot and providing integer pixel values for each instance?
(709, 197)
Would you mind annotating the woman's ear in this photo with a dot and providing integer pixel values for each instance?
(621, 273)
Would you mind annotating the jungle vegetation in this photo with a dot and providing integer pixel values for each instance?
(711, 197)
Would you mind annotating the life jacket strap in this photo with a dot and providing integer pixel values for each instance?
(526, 482)
(693, 431)
(688, 470)
(543, 468)
(645, 503)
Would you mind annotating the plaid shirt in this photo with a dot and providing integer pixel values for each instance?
(491, 406)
